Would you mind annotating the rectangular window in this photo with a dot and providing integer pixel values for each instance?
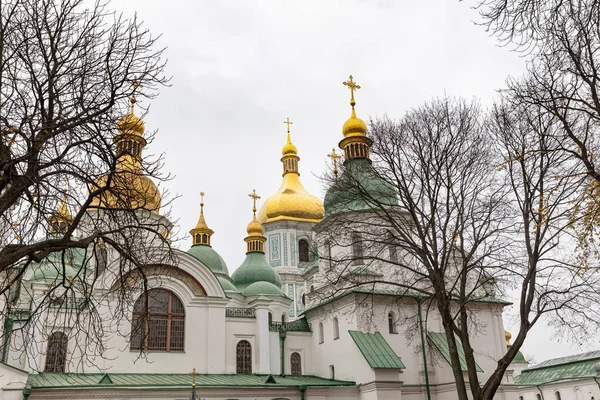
(357, 250)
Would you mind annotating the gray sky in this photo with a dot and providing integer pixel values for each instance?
(240, 68)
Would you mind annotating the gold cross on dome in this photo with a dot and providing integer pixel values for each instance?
(254, 197)
(193, 374)
(334, 156)
(288, 122)
(353, 86)
(135, 84)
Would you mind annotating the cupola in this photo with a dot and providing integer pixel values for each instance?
(292, 202)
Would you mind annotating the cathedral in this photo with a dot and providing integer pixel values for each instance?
(278, 327)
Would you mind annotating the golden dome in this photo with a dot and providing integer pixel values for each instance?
(289, 149)
(507, 337)
(128, 190)
(292, 202)
(131, 124)
(254, 227)
(354, 126)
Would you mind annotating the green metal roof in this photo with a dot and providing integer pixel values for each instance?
(441, 343)
(209, 257)
(262, 289)
(59, 381)
(559, 369)
(360, 188)
(362, 270)
(376, 350)
(255, 268)
(397, 293)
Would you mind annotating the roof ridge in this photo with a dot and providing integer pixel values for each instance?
(565, 360)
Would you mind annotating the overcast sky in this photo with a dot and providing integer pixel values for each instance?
(240, 68)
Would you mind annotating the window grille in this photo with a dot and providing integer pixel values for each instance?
(336, 329)
(56, 356)
(158, 322)
(296, 363)
(244, 357)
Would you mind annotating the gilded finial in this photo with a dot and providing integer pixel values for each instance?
(135, 84)
(254, 197)
(288, 122)
(193, 374)
(201, 202)
(353, 86)
(334, 157)
(507, 337)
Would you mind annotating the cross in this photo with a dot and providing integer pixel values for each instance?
(334, 156)
(353, 86)
(193, 374)
(288, 122)
(135, 84)
(255, 197)
(201, 199)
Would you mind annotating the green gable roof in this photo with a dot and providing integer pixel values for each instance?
(376, 350)
(559, 369)
(441, 343)
(59, 381)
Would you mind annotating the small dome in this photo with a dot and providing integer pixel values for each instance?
(131, 124)
(289, 149)
(255, 268)
(354, 126)
(128, 189)
(209, 257)
(262, 289)
(226, 284)
(360, 188)
(292, 202)
(51, 267)
(254, 228)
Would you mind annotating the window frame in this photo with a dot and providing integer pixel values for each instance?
(144, 317)
(336, 329)
(245, 358)
(392, 325)
(321, 333)
(358, 255)
(56, 339)
(303, 252)
(297, 363)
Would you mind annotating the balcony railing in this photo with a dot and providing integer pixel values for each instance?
(240, 312)
(299, 325)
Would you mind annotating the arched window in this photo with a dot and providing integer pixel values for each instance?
(392, 322)
(296, 363)
(243, 353)
(158, 322)
(56, 355)
(321, 335)
(520, 397)
(357, 250)
(538, 396)
(270, 319)
(283, 318)
(303, 250)
(101, 258)
(312, 288)
(557, 395)
(336, 329)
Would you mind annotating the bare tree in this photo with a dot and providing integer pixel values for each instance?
(562, 81)
(77, 207)
(448, 212)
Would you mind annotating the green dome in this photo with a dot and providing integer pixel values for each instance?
(226, 284)
(51, 267)
(346, 194)
(519, 357)
(255, 268)
(209, 257)
(262, 289)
